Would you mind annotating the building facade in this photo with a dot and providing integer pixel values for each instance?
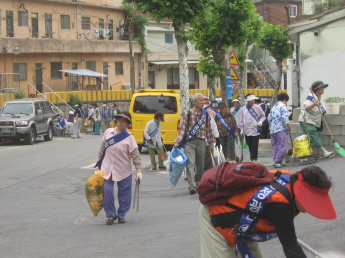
(162, 59)
(39, 37)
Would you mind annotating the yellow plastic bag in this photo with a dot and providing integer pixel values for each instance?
(301, 146)
(94, 191)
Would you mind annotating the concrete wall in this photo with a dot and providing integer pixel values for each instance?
(322, 58)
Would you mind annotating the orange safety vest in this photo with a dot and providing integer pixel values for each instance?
(241, 200)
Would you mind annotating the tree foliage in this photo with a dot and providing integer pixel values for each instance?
(224, 24)
(321, 6)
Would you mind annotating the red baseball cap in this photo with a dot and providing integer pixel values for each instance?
(314, 200)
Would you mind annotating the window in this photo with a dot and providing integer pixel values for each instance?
(118, 68)
(91, 65)
(54, 70)
(152, 104)
(34, 25)
(85, 23)
(65, 22)
(111, 28)
(20, 68)
(22, 18)
(173, 78)
(169, 38)
(101, 28)
(9, 24)
(293, 10)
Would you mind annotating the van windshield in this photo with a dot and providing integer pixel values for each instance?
(17, 108)
(152, 104)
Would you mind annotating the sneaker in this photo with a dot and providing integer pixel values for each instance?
(277, 165)
(327, 153)
(122, 220)
(162, 167)
(111, 219)
(192, 190)
(255, 161)
(153, 168)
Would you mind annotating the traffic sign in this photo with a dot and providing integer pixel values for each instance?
(233, 58)
(234, 86)
(234, 75)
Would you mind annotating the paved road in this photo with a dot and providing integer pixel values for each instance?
(43, 211)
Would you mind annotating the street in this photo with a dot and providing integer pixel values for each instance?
(44, 212)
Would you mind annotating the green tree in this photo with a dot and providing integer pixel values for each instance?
(182, 13)
(276, 42)
(321, 6)
(226, 23)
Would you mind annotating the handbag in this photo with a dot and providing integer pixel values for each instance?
(320, 128)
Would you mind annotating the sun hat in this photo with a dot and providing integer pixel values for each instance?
(235, 100)
(214, 104)
(314, 200)
(160, 116)
(319, 86)
(104, 105)
(123, 116)
(251, 97)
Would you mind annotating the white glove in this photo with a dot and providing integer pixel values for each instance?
(259, 123)
(75, 120)
(241, 133)
(139, 177)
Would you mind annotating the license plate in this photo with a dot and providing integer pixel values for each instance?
(5, 130)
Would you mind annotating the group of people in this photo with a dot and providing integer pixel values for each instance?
(307, 189)
(99, 118)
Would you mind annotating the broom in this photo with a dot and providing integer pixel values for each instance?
(290, 151)
(336, 145)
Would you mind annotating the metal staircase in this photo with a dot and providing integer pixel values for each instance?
(263, 76)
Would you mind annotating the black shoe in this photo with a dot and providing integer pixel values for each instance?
(111, 219)
(162, 167)
(122, 220)
(192, 190)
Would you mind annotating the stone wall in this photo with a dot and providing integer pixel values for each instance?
(335, 119)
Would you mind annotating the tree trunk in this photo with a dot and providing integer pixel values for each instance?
(182, 49)
(211, 88)
(218, 56)
(278, 82)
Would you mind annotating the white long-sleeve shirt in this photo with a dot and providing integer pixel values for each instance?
(150, 127)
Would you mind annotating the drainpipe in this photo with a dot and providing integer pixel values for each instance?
(287, 8)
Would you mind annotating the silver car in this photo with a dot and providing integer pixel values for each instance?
(26, 119)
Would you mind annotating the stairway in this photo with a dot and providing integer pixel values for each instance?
(265, 148)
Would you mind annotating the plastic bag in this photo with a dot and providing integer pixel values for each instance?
(94, 191)
(178, 161)
(301, 146)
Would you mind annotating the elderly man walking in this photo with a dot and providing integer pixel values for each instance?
(195, 131)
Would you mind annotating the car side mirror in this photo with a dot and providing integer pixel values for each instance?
(39, 112)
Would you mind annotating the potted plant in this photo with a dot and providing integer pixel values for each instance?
(333, 104)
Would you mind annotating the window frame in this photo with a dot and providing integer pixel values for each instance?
(23, 19)
(169, 38)
(85, 23)
(119, 70)
(63, 22)
(293, 7)
(55, 74)
(17, 69)
(91, 65)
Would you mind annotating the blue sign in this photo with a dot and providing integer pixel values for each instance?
(228, 84)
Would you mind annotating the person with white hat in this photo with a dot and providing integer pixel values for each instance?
(251, 123)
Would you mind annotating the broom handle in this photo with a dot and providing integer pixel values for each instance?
(323, 117)
(309, 249)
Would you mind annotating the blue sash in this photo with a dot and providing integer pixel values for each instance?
(226, 125)
(311, 98)
(256, 117)
(236, 110)
(110, 142)
(195, 128)
(248, 222)
(153, 133)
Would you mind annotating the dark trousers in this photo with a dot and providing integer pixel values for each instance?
(253, 144)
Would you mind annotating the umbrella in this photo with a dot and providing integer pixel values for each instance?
(336, 145)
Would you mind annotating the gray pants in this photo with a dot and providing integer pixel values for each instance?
(195, 152)
(76, 128)
(228, 146)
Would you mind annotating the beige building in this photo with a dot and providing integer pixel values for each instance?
(162, 59)
(40, 37)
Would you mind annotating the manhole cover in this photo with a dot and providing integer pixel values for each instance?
(56, 189)
(89, 218)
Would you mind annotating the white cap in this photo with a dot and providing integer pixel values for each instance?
(235, 100)
(251, 97)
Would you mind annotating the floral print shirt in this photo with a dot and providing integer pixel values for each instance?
(278, 118)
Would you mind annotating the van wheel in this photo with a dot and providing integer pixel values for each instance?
(30, 138)
(140, 147)
(49, 135)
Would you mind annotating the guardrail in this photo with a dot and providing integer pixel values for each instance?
(109, 95)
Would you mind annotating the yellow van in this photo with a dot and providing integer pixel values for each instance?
(145, 103)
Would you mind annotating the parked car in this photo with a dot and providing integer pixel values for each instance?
(145, 104)
(26, 119)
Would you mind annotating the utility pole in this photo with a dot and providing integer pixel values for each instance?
(131, 63)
